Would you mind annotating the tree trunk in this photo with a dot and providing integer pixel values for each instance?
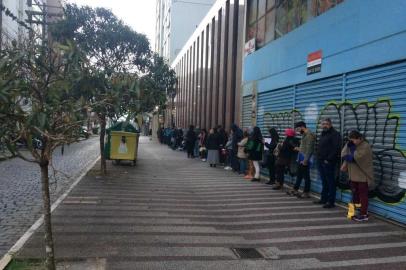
(102, 135)
(49, 243)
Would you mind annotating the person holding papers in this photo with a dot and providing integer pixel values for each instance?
(305, 159)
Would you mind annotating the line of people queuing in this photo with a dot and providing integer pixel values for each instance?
(246, 151)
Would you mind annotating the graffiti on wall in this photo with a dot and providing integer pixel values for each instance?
(281, 121)
(380, 128)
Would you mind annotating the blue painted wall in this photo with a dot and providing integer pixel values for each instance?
(364, 60)
(354, 35)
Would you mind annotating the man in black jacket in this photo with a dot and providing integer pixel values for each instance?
(328, 155)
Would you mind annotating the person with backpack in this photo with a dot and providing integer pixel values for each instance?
(285, 153)
(270, 156)
(358, 162)
(305, 154)
(255, 149)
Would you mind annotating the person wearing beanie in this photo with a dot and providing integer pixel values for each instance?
(284, 153)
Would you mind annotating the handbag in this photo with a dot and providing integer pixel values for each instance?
(277, 149)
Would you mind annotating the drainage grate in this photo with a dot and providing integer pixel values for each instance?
(247, 253)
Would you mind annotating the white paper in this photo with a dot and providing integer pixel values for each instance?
(267, 140)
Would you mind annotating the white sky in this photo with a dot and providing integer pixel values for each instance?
(138, 14)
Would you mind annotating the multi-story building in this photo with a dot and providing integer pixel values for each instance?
(345, 60)
(209, 69)
(176, 20)
(10, 28)
(17, 15)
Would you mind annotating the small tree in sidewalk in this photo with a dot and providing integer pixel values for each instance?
(113, 49)
(41, 104)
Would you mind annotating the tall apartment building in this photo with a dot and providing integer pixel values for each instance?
(176, 20)
(17, 11)
(10, 28)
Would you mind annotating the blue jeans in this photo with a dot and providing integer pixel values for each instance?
(196, 149)
(327, 175)
(234, 162)
(243, 165)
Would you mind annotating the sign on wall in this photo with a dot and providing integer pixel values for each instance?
(314, 62)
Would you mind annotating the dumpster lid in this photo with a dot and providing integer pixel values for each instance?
(125, 126)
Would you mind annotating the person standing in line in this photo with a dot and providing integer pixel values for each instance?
(190, 141)
(179, 138)
(159, 134)
(202, 144)
(242, 156)
(328, 156)
(250, 169)
(223, 138)
(213, 147)
(358, 162)
(196, 153)
(236, 137)
(227, 151)
(255, 151)
(286, 152)
(306, 151)
(271, 158)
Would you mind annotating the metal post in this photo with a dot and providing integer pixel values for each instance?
(1, 26)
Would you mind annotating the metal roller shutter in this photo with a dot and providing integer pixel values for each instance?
(275, 110)
(311, 101)
(246, 111)
(376, 106)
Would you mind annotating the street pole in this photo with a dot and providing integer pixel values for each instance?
(172, 109)
(1, 26)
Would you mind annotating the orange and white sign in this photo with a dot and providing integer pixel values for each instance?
(314, 60)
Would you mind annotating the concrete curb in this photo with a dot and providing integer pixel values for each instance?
(23, 239)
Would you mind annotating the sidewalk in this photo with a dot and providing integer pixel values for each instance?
(170, 212)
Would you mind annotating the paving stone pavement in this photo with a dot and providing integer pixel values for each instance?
(20, 188)
(170, 212)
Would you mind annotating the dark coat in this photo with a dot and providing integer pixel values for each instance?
(236, 137)
(222, 135)
(270, 159)
(287, 152)
(255, 149)
(190, 139)
(329, 146)
(213, 142)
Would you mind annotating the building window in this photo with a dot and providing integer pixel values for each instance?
(268, 20)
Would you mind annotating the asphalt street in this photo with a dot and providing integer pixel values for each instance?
(20, 188)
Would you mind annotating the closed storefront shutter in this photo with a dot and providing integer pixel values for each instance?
(311, 101)
(372, 101)
(377, 107)
(275, 110)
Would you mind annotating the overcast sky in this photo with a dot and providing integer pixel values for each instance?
(139, 14)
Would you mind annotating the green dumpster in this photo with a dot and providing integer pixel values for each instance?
(122, 142)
